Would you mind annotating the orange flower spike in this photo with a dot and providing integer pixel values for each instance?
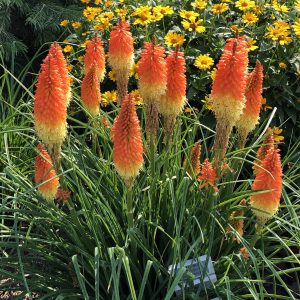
(173, 101)
(45, 174)
(228, 92)
(127, 139)
(95, 56)
(120, 48)
(50, 110)
(90, 92)
(56, 52)
(269, 177)
(194, 160)
(120, 56)
(152, 73)
(250, 115)
(229, 85)
(208, 175)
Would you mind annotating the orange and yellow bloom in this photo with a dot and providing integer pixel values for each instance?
(90, 92)
(208, 175)
(120, 49)
(56, 52)
(50, 107)
(173, 101)
(195, 166)
(228, 91)
(152, 75)
(95, 56)
(120, 56)
(250, 115)
(229, 85)
(45, 175)
(269, 177)
(127, 138)
(152, 72)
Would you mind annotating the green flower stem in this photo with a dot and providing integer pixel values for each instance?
(257, 234)
(129, 211)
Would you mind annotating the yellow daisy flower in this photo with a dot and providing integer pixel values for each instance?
(173, 39)
(109, 97)
(204, 62)
(250, 18)
(207, 103)
(199, 4)
(137, 97)
(244, 4)
(64, 23)
(219, 8)
(258, 9)
(276, 134)
(91, 12)
(251, 45)
(163, 10)
(280, 8)
(112, 75)
(68, 49)
(280, 32)
(106, 16)
(76, 25)
(143, 15)
(236, 29)
(188, 14)
(121, 12)
(193, 25)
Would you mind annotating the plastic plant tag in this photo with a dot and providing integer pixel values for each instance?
(200, 274)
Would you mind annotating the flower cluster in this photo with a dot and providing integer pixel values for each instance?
(51, 99)
(279, 31)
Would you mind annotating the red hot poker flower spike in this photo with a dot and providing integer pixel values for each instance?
(173, 101)
(50, 110)
(45, 174)
(228, 92)
(269, 177)
(127, 139)
(152, 72)
(194, 160)
(56, 52)
(90, 92)
(208, 175)
(120, 56)
(120, 48)
(229, 85)
(250, 115)
(95, 57)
